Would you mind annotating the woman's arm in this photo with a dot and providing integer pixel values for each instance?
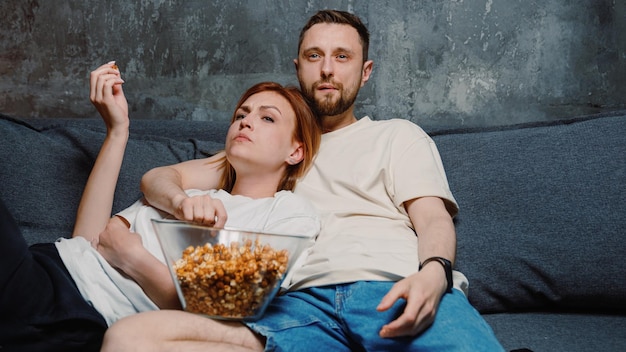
(94, 210)
(164, 187)
(124, 250)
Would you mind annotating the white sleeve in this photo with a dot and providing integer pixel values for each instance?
(130, 213)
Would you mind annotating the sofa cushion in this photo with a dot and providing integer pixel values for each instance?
(559, 331)
(542, 213)
(55, 161)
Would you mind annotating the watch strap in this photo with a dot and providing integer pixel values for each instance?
(447, 266)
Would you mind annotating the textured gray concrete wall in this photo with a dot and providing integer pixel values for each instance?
(438, 63)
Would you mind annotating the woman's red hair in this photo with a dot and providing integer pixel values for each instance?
(307, 131)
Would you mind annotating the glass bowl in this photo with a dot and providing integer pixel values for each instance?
(226, 273)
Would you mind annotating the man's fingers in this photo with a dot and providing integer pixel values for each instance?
(396, 292)
(203, 210)
(220, 214)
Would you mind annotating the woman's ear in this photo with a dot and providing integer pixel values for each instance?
(296, 156)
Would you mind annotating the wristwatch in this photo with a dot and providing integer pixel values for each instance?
(447, 266)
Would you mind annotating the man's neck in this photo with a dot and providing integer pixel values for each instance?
(333, 123)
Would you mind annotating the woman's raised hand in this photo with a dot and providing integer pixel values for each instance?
(107, 96)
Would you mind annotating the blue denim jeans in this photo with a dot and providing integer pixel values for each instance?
(344, 318)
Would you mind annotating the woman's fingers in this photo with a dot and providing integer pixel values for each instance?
(101, 78)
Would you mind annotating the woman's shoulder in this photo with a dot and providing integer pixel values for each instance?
(295, 202)
(290, 197)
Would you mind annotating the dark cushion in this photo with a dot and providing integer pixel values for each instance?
(559, 331)
(542, 213)
(44, 169)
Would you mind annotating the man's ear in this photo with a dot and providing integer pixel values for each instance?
(367, 71)
(295, 64)
(296, 156)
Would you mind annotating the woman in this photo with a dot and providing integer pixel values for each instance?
(90, 281)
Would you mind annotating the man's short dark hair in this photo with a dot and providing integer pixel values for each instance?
(339, 17)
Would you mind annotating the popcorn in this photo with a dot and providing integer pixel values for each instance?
(229, 281)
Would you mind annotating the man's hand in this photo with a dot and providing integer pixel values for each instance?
(202, 210)
(164, 188)
(422, 292)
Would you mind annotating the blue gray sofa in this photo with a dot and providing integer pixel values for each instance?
(541, 231)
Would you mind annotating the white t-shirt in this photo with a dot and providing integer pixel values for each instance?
(362, 175)
(116, 296)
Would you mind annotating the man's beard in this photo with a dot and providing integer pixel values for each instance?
(325, 106)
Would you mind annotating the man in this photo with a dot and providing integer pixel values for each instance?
(366, 284)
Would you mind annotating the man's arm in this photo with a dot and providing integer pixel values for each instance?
(434, 227)
(164, 188)
(424, 289)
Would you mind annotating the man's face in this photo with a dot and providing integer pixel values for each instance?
(330, 67)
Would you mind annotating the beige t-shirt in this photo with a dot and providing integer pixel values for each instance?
(362, 175)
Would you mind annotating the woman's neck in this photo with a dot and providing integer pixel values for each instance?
(255, 187)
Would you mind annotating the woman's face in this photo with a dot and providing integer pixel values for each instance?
(260, 139)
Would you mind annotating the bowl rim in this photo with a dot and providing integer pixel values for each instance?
(225, 229)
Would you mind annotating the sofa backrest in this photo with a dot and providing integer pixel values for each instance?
(542, 218)
(542, 207)
(45, 164)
